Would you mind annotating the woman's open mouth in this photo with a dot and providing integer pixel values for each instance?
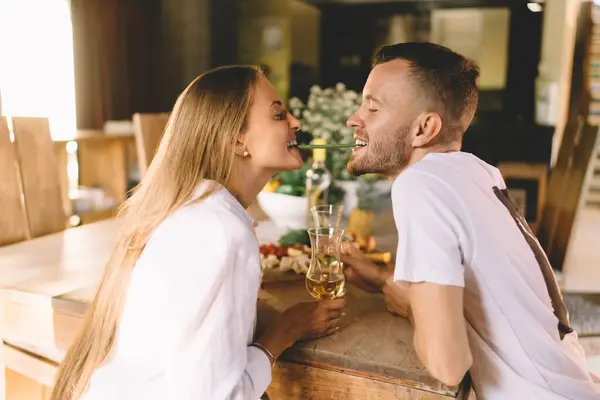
(292, 144)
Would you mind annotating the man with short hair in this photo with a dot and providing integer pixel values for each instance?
(469, 273)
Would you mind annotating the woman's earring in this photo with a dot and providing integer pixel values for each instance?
(246, 154)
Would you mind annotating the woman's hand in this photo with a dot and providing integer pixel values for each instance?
(313, 319)
(303, 321)
(361, 272)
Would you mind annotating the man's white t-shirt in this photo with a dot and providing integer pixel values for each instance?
(453, 230)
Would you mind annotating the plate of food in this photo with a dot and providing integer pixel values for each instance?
(289, 259)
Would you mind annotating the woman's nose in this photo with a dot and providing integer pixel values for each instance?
(295, 124)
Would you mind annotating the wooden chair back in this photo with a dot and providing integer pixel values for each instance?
(537, 176)
(148, 130)
(40, 180)
(13, 224)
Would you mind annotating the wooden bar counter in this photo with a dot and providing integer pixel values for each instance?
(47, 283)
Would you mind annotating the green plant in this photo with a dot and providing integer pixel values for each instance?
(366, 193)
(292, 237)
(325, 116)
(293, 183)
(336, 194)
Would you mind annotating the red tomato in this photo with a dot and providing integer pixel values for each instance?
(281, 251)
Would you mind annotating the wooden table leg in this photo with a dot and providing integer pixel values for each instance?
(20, 387)
(26, 376)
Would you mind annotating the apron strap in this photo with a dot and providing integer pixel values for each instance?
(558, 305)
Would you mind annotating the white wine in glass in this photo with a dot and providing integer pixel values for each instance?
(325, 277)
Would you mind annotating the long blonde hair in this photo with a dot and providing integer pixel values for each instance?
(198, 144)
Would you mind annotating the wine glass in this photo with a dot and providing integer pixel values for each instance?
(325, 277)
(327, 216)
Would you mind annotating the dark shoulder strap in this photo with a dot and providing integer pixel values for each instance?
(560, 310)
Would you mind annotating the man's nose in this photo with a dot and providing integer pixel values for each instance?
(355, 121)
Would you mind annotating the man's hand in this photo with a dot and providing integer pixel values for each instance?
(361, 272)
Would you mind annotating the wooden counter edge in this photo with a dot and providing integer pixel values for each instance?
(293, 381)
(93, 134)
(417, 383)
(26, 298)
(29, 364)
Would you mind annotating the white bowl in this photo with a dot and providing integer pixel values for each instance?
(285, 211)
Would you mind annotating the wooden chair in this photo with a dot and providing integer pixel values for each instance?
(42, 191)
(28, 171)
(13, 224)
(536, 174)
(148, 130)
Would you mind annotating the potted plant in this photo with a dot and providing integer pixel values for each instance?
(325, 115)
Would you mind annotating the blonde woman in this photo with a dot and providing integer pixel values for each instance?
(175, 313)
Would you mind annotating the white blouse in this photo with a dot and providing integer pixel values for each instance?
(190, 312)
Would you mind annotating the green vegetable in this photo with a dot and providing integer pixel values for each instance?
(293, 237)
(327, 146)
(285, 189)
(292, 182)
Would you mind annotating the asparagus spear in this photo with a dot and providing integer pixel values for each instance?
(326, 146)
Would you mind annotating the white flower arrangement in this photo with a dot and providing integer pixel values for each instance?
(325, 116)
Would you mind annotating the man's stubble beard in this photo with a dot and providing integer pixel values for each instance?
(384, 157)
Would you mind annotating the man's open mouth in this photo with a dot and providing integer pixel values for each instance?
(361, 143)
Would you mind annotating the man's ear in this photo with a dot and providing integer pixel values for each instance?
(427, 127)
